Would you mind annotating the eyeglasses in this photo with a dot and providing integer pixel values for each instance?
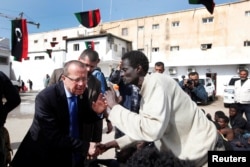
(77, 79)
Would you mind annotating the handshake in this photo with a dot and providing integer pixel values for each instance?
(96, 149)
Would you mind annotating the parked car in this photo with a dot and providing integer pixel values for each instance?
(228, 97)
(210, 88)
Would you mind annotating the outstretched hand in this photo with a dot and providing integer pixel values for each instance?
(104, 147)
(111, 98)
(100, 105)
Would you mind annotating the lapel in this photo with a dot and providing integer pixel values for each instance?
(62, 102)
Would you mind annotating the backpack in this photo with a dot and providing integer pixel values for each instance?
(8, 149)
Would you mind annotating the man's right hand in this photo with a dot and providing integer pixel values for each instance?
(93, 150)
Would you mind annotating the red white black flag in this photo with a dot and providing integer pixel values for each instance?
(89, 19)
(19, 39)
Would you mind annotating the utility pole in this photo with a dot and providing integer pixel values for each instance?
(20, 17)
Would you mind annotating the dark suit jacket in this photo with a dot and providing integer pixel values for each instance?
(11, 94)
(92, 132)
(47, 142)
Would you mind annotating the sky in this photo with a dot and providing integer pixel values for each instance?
(59, 14)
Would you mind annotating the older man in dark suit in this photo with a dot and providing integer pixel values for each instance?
(48, 141)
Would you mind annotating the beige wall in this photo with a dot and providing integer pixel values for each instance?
(227, 33)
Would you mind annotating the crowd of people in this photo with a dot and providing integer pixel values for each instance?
(156, 120)
(233, 127)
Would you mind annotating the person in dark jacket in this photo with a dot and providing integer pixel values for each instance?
(10, 99)
(194, 89)
(48, 142)
(237, 122)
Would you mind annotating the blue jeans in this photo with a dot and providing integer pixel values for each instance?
(244, 108)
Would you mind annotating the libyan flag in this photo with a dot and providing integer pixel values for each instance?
(89, 19)
(209, 4)
(90, 45)
(19, 39)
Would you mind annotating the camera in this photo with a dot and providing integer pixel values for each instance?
(189, 82)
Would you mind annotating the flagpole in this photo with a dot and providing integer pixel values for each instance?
(82, 5)
(110, 10)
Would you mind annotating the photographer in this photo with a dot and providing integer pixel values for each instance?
(194, 89)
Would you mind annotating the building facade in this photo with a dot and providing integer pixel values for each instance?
(50, 50)
(215, 45)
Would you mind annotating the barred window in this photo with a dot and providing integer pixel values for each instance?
(207, 20)
(155, 26)
(76, 47)
(175, 24)
(174, 48)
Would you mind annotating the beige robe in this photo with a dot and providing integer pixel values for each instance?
(170, 118)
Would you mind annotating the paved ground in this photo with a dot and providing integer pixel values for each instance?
(20, 119)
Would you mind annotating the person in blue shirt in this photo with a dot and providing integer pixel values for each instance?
(90, 58)
(100, 76)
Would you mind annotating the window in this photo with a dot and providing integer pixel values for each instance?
(115, 47)
(246, 43)
(4, 60)
(64, 37)
(175, 24)
(54, 39)
(76, 47)
(174, 48)
(207, 20)
(39, 57)
(206, 46)
(123, 50)
(125, 31)
(155, 49)
(247, 13)
(35, 41)
(140, 28)
(155, 26)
